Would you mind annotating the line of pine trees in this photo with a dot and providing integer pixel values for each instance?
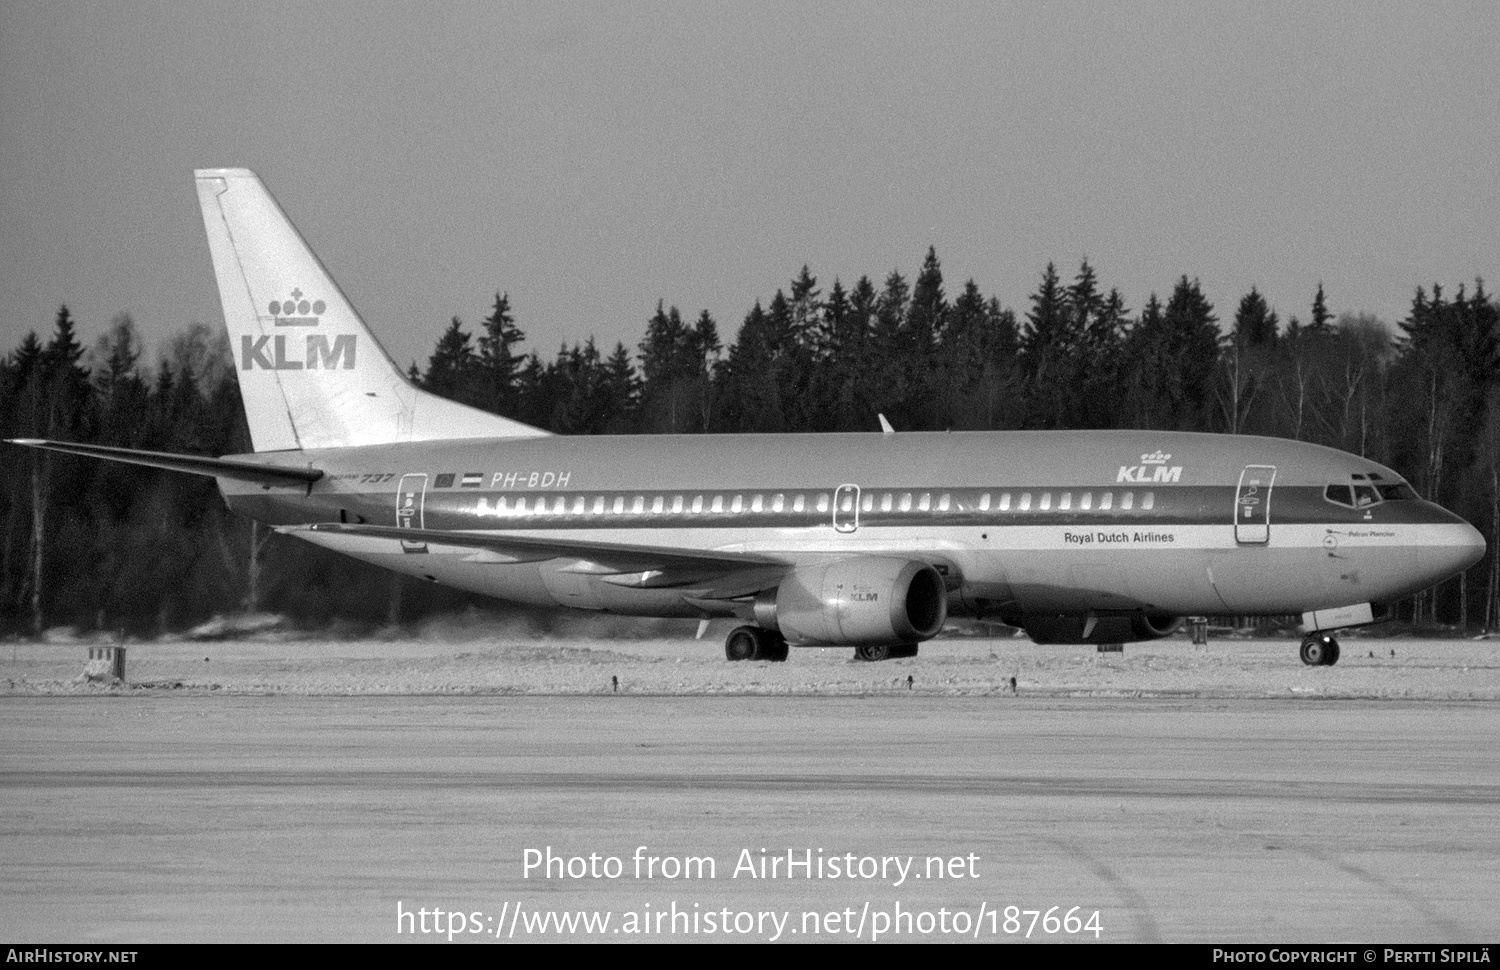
(148, 551)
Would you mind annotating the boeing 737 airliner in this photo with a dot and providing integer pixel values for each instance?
(862, 540)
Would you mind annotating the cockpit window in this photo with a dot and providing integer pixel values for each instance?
(1367, 491)
(1339, 495)
(1398, 492)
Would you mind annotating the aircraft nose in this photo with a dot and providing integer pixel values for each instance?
(1455, 546)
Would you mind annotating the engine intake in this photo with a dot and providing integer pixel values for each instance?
(1119, 628)
(851, 602)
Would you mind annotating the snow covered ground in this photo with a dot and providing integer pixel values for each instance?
(459, 658)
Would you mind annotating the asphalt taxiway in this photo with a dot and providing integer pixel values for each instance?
(191, 815)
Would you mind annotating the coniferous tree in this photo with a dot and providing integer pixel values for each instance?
(1321, 318)
(1247, 362)
(68, 399)
(888, 366)
(499, 361)
(928, 311)
(751, 399)
(846, 355)
(453, 368)
(1255, 322)
(1192, 349)
(670, 366)
(706, 348)
(804, 308)
(1049, 346)
(620, 391)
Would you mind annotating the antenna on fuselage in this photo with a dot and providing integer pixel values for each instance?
(885, 426)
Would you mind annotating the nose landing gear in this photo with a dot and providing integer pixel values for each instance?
(1320, 650)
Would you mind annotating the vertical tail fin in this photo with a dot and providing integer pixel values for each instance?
(311, 373)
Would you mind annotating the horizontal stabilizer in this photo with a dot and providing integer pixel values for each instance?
(712, 573)
(241, 471)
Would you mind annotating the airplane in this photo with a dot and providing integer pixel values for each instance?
(869, 540)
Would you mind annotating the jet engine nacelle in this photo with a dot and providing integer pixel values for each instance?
(1077, 628)
(870, 601)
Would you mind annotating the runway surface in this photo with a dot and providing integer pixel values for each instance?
(188, 815)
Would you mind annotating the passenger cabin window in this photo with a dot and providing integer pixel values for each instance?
(822, 501)
(925, 502)
(778, 502)
(1065, 502)
(1148, 500)
(639, 505)
(984, 502)
(1086, 501)
(886, 500)
(1025, 501)
(1127, 501)
(1046, 501)
(799, 503)
(944, 501)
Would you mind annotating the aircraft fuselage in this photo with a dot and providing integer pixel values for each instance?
(1019, 523)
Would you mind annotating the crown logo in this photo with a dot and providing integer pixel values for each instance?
(298, 311)
(1155, 458)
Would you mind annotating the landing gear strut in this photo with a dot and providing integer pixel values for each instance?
(885, 652)
(755, 643)
(1320, 650)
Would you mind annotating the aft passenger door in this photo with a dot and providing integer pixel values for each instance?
(411, 493)
(1252, 505)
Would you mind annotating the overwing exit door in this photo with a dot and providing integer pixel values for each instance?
(846, 508)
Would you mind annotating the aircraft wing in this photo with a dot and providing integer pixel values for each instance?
(706, 574)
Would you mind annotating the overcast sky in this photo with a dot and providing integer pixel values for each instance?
(592, 159)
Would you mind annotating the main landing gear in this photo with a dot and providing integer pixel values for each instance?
(885, 652)
(754, 643)
(1320, 650)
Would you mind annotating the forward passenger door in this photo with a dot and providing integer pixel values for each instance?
(1252, 505)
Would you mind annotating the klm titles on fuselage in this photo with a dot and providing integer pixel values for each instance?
(282, 352)
(1152, 470)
